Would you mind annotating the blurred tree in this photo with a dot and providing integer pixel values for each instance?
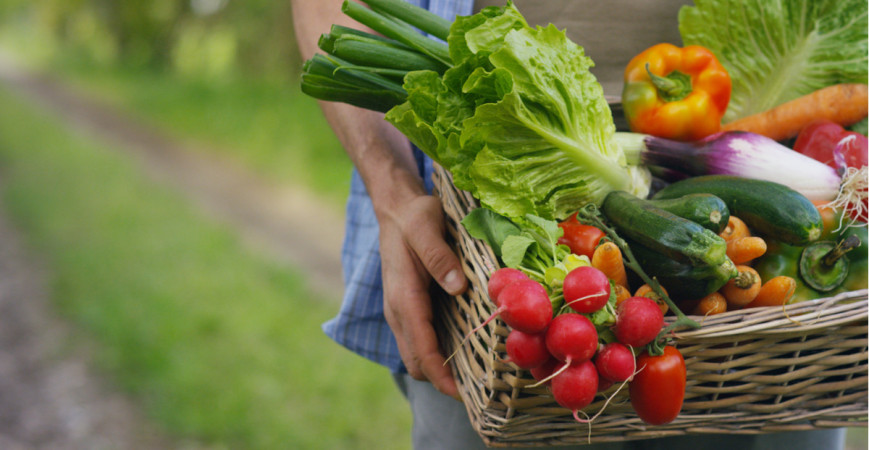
(244, 37)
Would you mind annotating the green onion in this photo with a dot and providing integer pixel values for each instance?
(399, 31)
(423, 19)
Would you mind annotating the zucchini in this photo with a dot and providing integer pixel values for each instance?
(770, 208)
(681, 280)
(677, 238)
(707, 210)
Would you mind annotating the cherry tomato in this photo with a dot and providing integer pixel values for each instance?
(819, 139)
(658, 389)
(580, 238)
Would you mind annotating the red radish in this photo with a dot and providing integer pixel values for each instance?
(615, 362)
(586, 289)
(571, 338)
(527, 350)
(602, 383)
(575, 387)
(545, 370)
(638, 321)
(500, 279)
(525, 306)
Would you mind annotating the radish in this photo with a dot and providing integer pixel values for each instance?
(524, 306)
(575, 387)
(586, 289)
(638, 321)
(571, 338)
(527, 350)
(615, 362)
(543, 372)
(500, 279)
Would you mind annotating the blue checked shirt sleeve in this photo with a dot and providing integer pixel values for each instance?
(360, 325)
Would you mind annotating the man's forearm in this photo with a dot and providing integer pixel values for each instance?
(380, 153)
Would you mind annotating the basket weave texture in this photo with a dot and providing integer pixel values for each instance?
(761, 370)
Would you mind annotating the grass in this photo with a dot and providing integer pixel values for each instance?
(219, 344)
(271, 128)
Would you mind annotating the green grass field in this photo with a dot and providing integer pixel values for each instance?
(272, 129)
(218, 344)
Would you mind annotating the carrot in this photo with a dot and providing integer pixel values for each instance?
(829, 215)
(714, 303)
(745, 249)
(743, 289)
(735, 229)
(844, 104)
(647, 291)
(622, 293)
(776, 291)
(608, 259)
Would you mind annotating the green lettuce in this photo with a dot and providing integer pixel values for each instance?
(519, 120)
(778, 50)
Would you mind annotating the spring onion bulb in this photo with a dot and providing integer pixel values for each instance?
(737, 153)
(750, 155)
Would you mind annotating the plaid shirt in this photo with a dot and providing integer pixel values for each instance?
(360, 325)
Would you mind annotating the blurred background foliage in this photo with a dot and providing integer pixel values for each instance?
(205, 38)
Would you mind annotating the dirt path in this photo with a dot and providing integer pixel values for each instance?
(50, 397)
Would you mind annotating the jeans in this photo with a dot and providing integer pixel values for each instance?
(441, 423)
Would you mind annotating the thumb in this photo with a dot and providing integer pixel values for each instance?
(426, 238)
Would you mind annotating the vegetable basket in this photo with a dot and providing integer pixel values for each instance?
(771, 369)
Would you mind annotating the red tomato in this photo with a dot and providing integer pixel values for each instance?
(658, 389)
(819, 139)
(580, 238)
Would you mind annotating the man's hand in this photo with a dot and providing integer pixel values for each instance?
(414, 252)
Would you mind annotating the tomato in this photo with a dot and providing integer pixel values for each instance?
(580, 238)
(658, 389)
(819, 140)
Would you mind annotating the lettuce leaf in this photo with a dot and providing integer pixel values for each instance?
(778, 50)
(519, 121)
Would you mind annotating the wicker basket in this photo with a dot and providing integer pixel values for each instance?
(753, 371)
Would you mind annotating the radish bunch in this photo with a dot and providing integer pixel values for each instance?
(572, 351)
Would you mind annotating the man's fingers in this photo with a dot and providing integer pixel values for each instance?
(427, 241)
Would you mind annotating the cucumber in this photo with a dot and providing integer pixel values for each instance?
(770, 208)
(707, 210)
(677, 238)
(681, 280)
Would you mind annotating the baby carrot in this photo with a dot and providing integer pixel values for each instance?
(647, 291)
(714, 303)
(776, 291)
(608, 259)
(622, 293)
(743, 289)
(744, 249)
(844, 104)
(735, 229)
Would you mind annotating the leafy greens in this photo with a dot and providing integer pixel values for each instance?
(519, 120)
(778, 50)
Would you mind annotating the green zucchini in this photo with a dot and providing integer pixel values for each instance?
(707, 210)
(677, 238)
(681, 280)
(769, 208)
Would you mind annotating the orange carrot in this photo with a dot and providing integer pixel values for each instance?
(745, 249)
(647, 291)
(608, 259)
(776, 291)
(735, 229)
(844, 104)
(622, 293)
(714, 303)
(743, 289)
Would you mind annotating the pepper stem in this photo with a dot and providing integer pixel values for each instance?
(673, 87)
(844, 246)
